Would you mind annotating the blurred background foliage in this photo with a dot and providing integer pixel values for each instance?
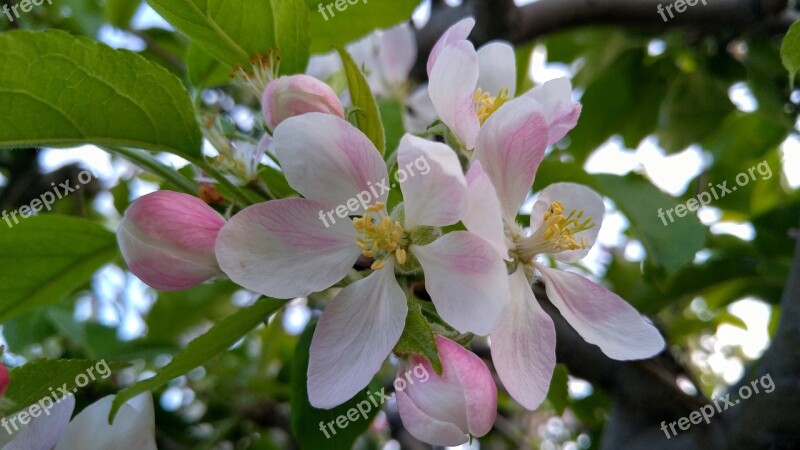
(680, 106)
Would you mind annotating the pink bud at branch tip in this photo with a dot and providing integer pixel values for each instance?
(168, 238)
(4, 380)
(296, 95)
(442, 410)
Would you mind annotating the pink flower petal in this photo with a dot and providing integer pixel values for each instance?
(442, 410)
(510, 147)
(295, 95)
(168, 238)
(426, 428)
(433, 185)
(483, 216)
(498, 68)
(455, 33)
(573, 197)
(561, 112)
(356, 333)
(524, 346)
(467, 281)
(283, 249)
(327, 159)
(601, 317)
(452, 85)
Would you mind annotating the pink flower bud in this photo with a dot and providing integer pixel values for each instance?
(167, 239)
(443, 410)
(4, 380)
(295, 95)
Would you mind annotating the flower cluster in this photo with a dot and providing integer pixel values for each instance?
(455, 227)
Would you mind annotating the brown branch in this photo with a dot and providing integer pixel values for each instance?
(503, 20)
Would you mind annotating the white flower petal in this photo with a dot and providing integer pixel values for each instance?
(397, 53)
(510, 147)
(356, 333)
(283, 249)
(466, 279)
(601, 317)
(433, 185)
(455, 33)
(43, 432)
(133, 427)
(498, 68)
(524, 346)
(327, 159)
(452, 85)
(573, 197)
(484, 216)
(419, 113)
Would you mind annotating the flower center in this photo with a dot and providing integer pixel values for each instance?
(556, 234)
(379, 236)
(263, 69)
(486, 105)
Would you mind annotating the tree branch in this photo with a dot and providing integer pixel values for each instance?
(501, 19)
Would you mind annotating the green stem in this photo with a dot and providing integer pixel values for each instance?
(246, 197)
(154, 166)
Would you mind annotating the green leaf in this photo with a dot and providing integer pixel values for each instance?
(354, 20)
(640, 201)
(88, 93)
(217, 340)
(418, 337)
(558, 395)
(47, 257)
(694, 106)
(392, 118)
(40, 379)
(292, 34)
(306, 419)
(367, 115)
(176, 312)
(231, 31)
(790, 50)
(203, 69)
(120, 12)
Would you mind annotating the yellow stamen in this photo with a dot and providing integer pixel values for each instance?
(379, 236)
(401, 256)
(556, 234)
(486, 105)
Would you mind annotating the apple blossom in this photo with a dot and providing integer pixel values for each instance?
(468, 86)
(444, 409)
(387, 57)
(293, 247)
(565, 223)
(295, 95)
(167, 239)
(133, 427)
